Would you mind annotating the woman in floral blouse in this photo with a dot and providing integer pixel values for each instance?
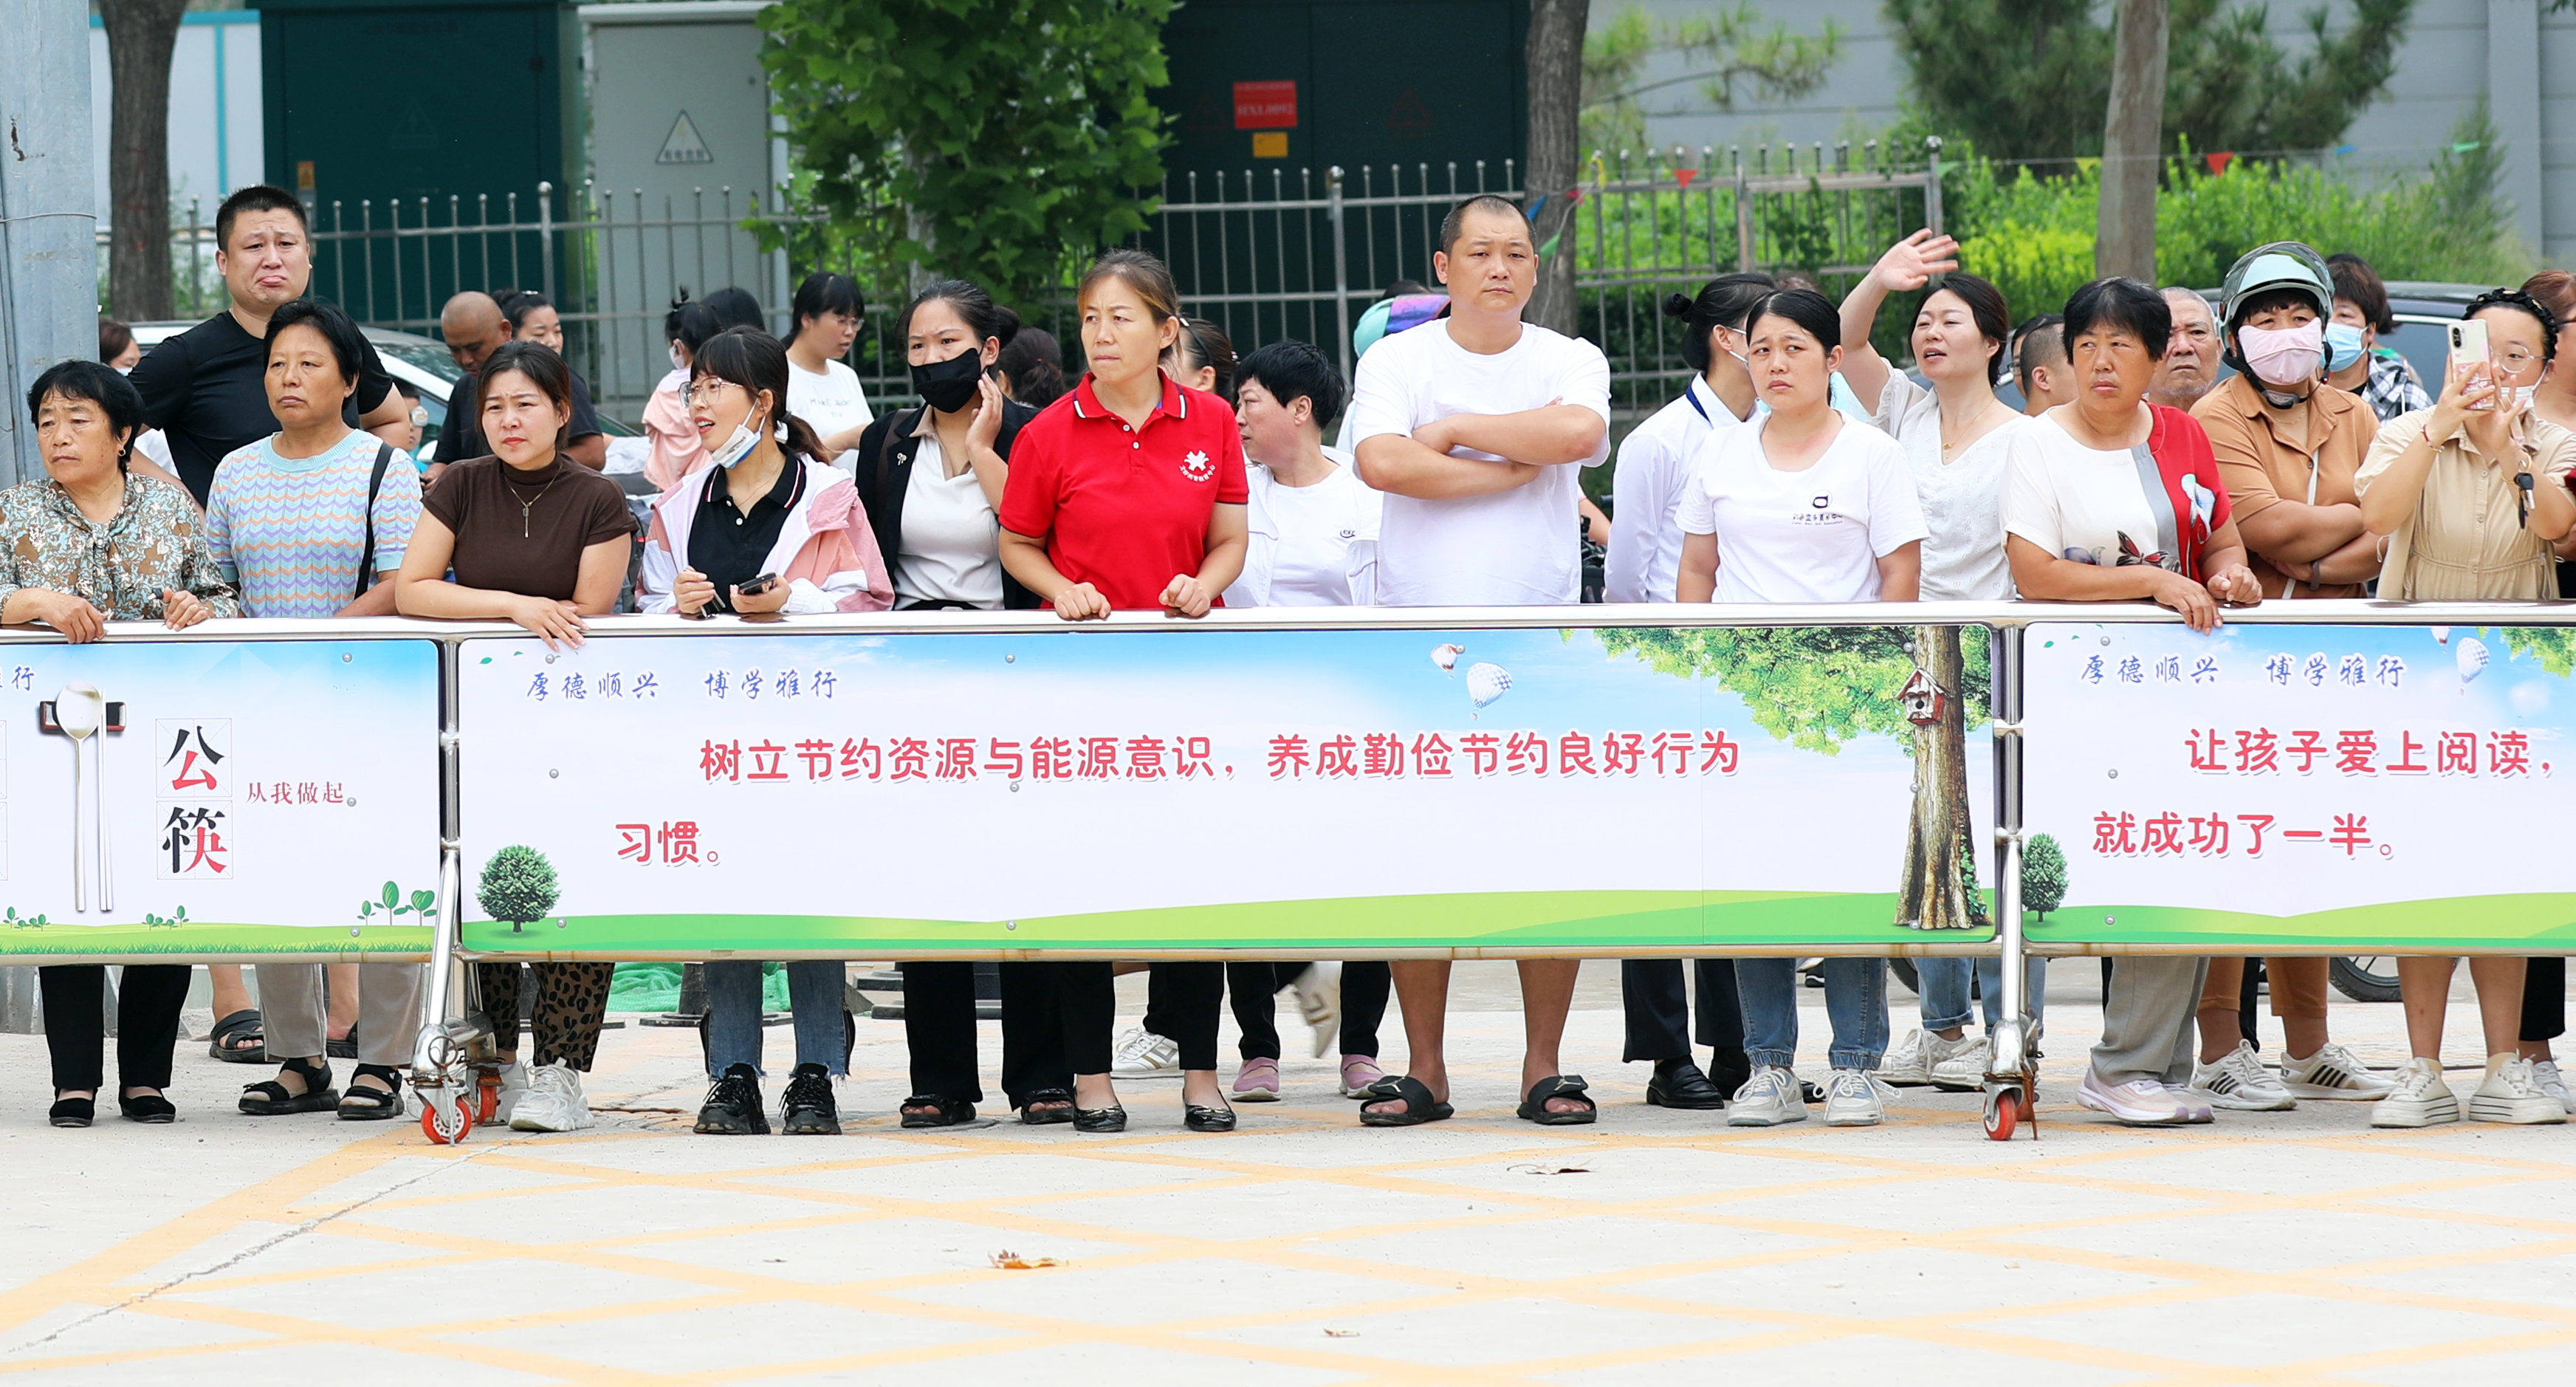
(93, 542)
(87, 544)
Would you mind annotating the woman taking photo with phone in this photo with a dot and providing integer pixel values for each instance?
(1129, 496)
(532, 537)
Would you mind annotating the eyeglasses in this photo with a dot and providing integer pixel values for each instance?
(705, 390)
(2517, 361)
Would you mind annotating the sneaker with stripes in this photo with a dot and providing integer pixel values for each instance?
(2334, 1075)
(2237, 1081)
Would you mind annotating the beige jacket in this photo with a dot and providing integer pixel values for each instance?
(2463, 543)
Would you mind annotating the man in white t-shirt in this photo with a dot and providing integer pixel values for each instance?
(1474, 425)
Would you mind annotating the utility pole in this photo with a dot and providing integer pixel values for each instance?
(2132, 143)
(48, 212)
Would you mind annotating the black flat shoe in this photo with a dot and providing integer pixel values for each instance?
(72, 1112)
(1109, 1119)
(151, 1107)
(1217, 1119)
(1059, 1107)
(944, 1111)
(1681, 1084)
(1729, 1070)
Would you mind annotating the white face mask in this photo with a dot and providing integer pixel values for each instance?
(736, 447)
(678, 362)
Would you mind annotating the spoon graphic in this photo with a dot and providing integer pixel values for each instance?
(79, 710)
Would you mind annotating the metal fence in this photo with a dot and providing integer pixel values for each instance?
(1266, 254)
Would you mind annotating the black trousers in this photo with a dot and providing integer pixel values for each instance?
(1079, 1002)
(1659, 1010)
(2544, 999)
(939, 1028)
(1255, 988)
(1182, 1003)
(148, 999)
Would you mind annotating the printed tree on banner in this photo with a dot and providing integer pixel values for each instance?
(1818, 687)
(2553, 646)
(518, 886)
(2043, 875)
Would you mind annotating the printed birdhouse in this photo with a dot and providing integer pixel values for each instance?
(1924, 700)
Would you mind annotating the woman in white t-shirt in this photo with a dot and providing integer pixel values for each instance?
(821, 390)
(1955, 436)
(1803, 505)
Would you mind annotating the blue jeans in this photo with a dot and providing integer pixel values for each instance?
(1855, 998)
(814, 991)
(1945, 989)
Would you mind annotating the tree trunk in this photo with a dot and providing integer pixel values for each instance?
(2132, 141)
(1555, 149)
(1936, 836)
(140, 35)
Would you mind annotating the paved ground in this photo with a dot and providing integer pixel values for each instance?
(1657, 1247)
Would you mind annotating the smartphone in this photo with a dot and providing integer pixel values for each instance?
(2469, 348)
(766, 581)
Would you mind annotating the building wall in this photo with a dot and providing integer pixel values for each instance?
(2455, 50)
(215, 124)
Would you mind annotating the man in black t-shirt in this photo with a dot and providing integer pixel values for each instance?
(474, 329)
(204, 388)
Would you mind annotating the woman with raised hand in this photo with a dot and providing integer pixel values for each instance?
(528, 536)
(2471, 499)
(1128, 495)
(1954, 434)
(88, 543)
(1805, 505)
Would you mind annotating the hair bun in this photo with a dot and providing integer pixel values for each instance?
(1677, 305)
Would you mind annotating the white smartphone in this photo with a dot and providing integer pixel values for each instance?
(2469, 348)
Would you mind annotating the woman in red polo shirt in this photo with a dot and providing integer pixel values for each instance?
(1127, 495)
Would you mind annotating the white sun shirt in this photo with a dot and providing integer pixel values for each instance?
(1311, 546)
(831, 401)
(1519, 547)
(1810, 536)
(1963, 499)
(1646, 492)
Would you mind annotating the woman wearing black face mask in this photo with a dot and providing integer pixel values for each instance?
(932, 477)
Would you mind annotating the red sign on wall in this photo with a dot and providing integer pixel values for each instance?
(1265, 105)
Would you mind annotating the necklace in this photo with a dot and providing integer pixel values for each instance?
(528, 507)
(1966, 425)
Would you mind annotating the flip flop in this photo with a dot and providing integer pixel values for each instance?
(1419, 1105)
(1534, 1107)
(234, 1027)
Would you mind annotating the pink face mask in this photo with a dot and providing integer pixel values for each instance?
(2286, 356)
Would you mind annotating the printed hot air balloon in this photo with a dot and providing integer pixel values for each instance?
(2473, 659)
(1446, 656)
(1485, 683)
(2441, 635)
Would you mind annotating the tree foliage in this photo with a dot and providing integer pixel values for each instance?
(1814, 687)
(995, 140)
(2030, 79)
(1727, 51)
(2043, 875)
(518, 885)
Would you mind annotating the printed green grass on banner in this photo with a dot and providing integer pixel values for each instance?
(211, 940)
(2544, 921)
(1604, 920)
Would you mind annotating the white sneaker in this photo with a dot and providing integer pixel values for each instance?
(2333, 1073)
(2422, 1098)
(514, 1086)
(2512, 1093)
(2137, 1103)
(2545, 1073)
(1959, 1066)
(2238, 1082)
(1854, 1098)
(1141, 1054)
(1905, 1066)
(2198, 1105)
(554, 1102)
(1768, 1099)
(1319, 1000)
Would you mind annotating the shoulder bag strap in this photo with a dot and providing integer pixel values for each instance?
(367, 555)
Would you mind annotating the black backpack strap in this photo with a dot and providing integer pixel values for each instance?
(367, 556)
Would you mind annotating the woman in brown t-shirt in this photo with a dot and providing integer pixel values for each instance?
(530, 535)
(538, 539)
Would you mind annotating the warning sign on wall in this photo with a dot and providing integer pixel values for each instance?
(1265, 105)
(682, 145)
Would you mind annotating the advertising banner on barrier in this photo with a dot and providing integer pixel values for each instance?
(218, 798)
(2327, 788)
(1211, 788)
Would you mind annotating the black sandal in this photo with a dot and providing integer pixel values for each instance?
(1419, 1105)
(1047, 1106)
(345, 1048)
(273, 1099)
(359, 1103)
(1571, 1086)
(240, 1024)
(944, 1111)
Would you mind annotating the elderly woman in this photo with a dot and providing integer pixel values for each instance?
(88, 544)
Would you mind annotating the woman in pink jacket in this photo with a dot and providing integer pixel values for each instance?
(676, 451)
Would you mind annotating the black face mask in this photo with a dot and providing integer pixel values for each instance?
(948, 385)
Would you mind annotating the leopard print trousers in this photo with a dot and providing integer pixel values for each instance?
(572, 1001)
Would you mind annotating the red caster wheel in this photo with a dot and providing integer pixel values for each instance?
(2005, 1110)
(489, 1098)
(446, 1115)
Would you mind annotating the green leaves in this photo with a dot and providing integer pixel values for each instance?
(518, 885)
(2043, 875)
(994, 140)
(1813, 687)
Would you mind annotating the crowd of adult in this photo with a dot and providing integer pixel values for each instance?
(2200, 457)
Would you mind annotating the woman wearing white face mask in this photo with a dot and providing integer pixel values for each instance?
(677, 450)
